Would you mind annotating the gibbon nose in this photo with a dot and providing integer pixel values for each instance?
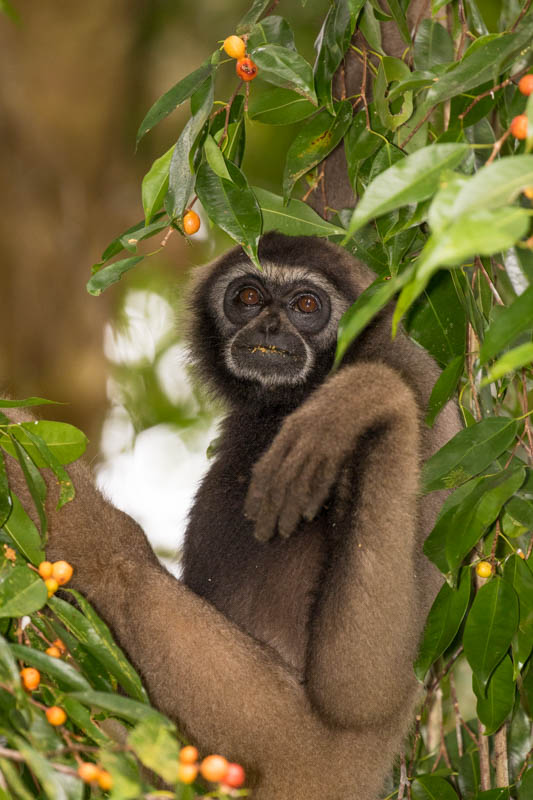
(270, 323)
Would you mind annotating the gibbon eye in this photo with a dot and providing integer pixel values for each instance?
(250, 296)
(306, 303)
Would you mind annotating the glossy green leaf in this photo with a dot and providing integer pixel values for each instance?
(444, 388)
(398, 15)
(156, 748)
(81, 717)
(273, 30)
(411, 180)
(294, 219)
(279, 107)
(9, 670)
(508, 325)
(495, 702)
(443, 622)
(285, 68)
(43, 770)
(331, 44)
(493, 794)
(490, 627)
(433, 45)
(95, 636)
(107, 276)
(232, 206)
(413, 82)
(24, 534)
(521, 510)
(360, 142)
(511, 361)
(314, 141)
(180, 176)
(468, 453)
(175, 96)
(66, 442)
(440, 213)
(49, 460)
(64, 674)
(155, 185)
(9, 770)
(29, 401)
(519, 575)
(6, 504)
(124, 770)
(34, 481)
(390, 70)
(495, 185)
(123, 707)
(437, 320)
(526, 785)
(22, 591)
(252, 15)
(215, 159)
(432, 787)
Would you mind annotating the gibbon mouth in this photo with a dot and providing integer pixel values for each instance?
(268, 348)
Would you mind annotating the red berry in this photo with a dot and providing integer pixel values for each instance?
(246, 69)
(525, 84)
(519, 126)
(235, 776)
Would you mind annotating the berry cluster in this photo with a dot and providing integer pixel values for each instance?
(55, 575)
(214, 768)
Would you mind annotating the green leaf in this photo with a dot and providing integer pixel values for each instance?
(174, 98)
(440, 213)
(42, 769)
(181, 178)
(495, 185)
(468, 453)
(22, 591)
(109, 275)
(433, 45)
(155, 185)
(432, 787)
(124, 770)
(490, 627)
(7, 9)
(508, 325)
(443, 622)
(493, 794)
(390, 70)
(437, 320)
(279, 107)
(155, 746)
(444, 388)
(519, 575)
(95, 636)
(314, 141)
(232, 206)
(252, 15)
(496, 702)
(526, 785)
(510, 362)
(400, 20)
(6, 504)
(215, 159)
(273, 30)
(81, 717)
(24, 534)
(123, 707)
(29, 401)
(64, 674)
(285, 68)
(46, 455)
(9, 671)
(331, 44)
(411, 180)
(294, 219)
(66, 442)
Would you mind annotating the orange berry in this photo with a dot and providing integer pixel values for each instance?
(520, 553)
(88, 771)
(62, 572)
(52, 586)
(234, 47)
(519, 126)
(235, 776)
(105, 780)
(55, 715)
(188, 755)
(60, 645)
(528, 191)
(525, 84)
(187, 772)
(53, 652)
(214, 768)
(45, 569)
(246, 69)
(31, 678)
(484, 569)
(191, 222)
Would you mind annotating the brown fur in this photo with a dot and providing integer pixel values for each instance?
(291, 653)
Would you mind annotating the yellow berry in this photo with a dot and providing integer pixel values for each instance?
(62, 572)
(191, 222)
(528, 191)
(484, 569)
(88, 771)
(214, 768)
(55, 715)
(53, 652)
(45, 569)
(105, 781)
(51, 585)
(187, 772)
(188, 755)
(60, 645)
(31, 678)
(234, 46)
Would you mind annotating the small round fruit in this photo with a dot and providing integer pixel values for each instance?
(191, 222)
(60, 645)
(525, 84)
(188, 755)
(234, 47)
(528, 191)
(105, 780)
(519, 126)
(45, 569)
(53, 652)
(55, 716)
(484, 569)
(235, 776)
(187, 772)
(62, 572)
(51, 585)
(214, 768)
(31, 678)
(246, 69)
(88, 771)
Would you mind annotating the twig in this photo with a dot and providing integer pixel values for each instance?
(470, 373)
(498, 146)
(522, 14)
(525, 409)
(495, 544)
(403, 777)
(501, 85)
(525, 764)
(315, 184)
(417, 127)
(458, 717)
(484, 762)
(167, 236)
(464, 30)
(228, 112)
(14, 755)
(500, 757)
(363, 89)
(495, 294)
